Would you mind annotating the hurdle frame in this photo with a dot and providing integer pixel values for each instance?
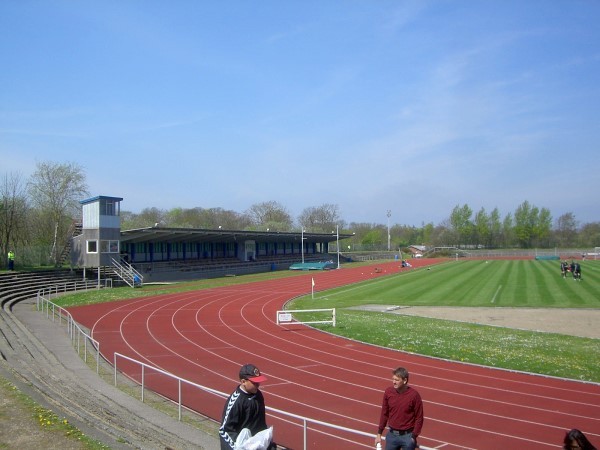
(292, 321)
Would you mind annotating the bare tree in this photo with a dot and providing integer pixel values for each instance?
(566, 229)
(13, 213)
(322, 218)
(270, 215)
(55, 190)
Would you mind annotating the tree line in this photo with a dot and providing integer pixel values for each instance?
(38, 214)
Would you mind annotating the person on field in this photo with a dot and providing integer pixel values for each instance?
(402, 412)
(577, 272)
(575, 439)
(245, 408)
(563, 269)
(11, 260)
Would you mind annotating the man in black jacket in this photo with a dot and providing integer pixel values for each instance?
(245, 408)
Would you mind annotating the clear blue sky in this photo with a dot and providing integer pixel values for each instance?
(373, 105)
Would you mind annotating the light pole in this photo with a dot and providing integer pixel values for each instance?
(337, 241)
(302, 244)
(389, 214)
(337, 244)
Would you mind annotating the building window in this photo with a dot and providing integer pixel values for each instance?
(92, 246)
(109, 246)
(109, 208)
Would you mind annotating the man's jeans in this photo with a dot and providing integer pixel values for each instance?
(395, 442)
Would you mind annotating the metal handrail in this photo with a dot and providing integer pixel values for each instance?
(180, 381)
(127, 273)
(75, 332)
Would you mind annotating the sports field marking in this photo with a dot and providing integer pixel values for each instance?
(387, 279)
(496, 294)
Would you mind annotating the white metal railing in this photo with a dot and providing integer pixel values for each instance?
(181, 381)
(74, 331)
(127, 273)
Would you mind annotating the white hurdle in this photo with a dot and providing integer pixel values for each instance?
(285, 317)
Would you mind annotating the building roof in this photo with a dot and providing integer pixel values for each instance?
(195, 235)
(100, 197)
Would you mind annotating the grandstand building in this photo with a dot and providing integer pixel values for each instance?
(159, 254)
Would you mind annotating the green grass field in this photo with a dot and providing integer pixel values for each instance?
(524, 283)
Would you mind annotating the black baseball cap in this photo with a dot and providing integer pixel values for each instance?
(251, 372)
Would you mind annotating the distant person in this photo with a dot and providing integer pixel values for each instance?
(563, 269)
(245, 408)
(11, 260)
(577, 272)
(575, 439)
(402, 412)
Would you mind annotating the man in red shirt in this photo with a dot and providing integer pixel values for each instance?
(402, 411)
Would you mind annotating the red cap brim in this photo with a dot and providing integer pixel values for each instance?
(258, 379)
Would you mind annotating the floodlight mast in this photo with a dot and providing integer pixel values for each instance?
(302, 244)
(389, 214)
(337, 244)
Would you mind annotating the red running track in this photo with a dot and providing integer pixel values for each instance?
(205, 336)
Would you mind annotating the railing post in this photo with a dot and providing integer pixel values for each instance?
(180, 399)
(305, 434)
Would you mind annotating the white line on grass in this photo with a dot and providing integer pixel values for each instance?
(370, 282)
(497, 291)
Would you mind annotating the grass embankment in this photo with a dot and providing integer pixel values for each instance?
(25, 424)
(498, 283)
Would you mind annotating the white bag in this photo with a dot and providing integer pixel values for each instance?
(260, 441)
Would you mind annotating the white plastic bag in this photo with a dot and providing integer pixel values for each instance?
(242, 438)
(260, 441)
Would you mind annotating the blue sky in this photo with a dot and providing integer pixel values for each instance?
(372, 105)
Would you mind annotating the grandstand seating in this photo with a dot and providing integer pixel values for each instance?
(211, 268)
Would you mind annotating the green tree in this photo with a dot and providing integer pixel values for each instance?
(523, 223)
(55, 190)
(508, 231)
(532, 225)
(374, 239)
(482, 227)
(460, 220)
(542, 227)
(589, 235)
(428, 230)
(495, 228)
